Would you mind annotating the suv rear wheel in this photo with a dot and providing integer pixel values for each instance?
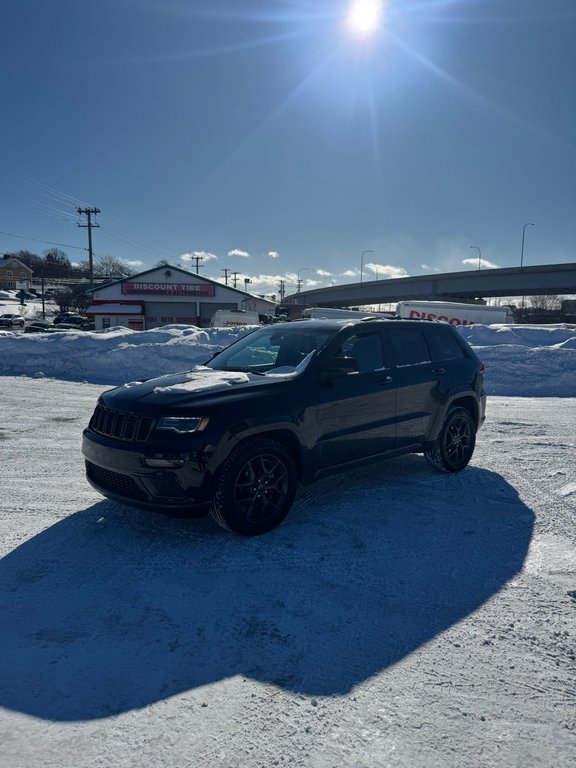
(255, 488)
(454, 445)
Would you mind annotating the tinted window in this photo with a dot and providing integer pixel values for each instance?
(444, 346)
(409, 347)
(366, 349)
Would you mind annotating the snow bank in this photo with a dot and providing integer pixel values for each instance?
(527, 361)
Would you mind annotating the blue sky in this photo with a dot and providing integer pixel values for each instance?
(271, 138)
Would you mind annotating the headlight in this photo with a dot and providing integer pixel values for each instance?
(183, 425)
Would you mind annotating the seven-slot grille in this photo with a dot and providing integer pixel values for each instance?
(122, 426)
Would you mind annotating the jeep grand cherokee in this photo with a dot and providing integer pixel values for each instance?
(286, 404)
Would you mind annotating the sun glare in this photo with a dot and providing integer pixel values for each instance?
(364, 16)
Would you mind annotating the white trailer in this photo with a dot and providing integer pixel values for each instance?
(224, 318)
(455, 313)
(331, 313)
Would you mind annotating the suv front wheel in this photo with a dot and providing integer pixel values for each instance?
(454, 446)
(255, 488)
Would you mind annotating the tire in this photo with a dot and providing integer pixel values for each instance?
(455, 444)
(255, 488)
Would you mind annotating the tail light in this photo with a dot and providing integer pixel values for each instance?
(482, 369)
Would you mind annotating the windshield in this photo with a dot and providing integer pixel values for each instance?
(274, 351)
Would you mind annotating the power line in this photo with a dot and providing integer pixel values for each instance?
(48, 242)
(55, 194)
(119, 233)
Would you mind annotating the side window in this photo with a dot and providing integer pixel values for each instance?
(410, 347)
(366, 349)
(443, 345)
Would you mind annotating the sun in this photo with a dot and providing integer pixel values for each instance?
(364, 16)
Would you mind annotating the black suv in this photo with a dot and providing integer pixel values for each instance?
(70, 319)
(285, 404)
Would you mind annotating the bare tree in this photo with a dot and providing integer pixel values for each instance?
(546, 302)
(109, 265)
(31, 260)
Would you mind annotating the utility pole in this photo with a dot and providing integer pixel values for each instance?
(198, 258)
(299, 281)
(235, 278)
(225, 270)
(282, 289)
(88, 213)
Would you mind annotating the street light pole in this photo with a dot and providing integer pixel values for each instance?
(479, 253)
(528, 224)
(298, 281)
(362, 263)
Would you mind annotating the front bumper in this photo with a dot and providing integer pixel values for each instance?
(121, 474)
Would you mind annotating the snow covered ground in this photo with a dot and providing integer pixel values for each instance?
(398, 618)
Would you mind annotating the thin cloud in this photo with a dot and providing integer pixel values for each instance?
(273, 255)
(323, 273)
(483, 263)
(238, 252)
(384, 271)
(350, 273)
(262, 283)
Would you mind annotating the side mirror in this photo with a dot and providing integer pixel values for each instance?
(342, 366)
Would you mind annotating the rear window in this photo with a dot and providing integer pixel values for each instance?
(443, 345)
(409, 346)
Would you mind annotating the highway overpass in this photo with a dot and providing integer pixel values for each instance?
(550, 279)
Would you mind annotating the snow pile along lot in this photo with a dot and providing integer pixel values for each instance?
(520, 360)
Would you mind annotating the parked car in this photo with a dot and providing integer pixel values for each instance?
(72, 318)
(9, 320)
(26, 295)
(38, 326)
(286, 404)
(87, 325)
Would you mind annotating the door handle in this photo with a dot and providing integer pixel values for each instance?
(438, 371)
(385, 380)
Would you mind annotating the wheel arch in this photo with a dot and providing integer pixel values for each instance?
(458, 400)
(285, 438)
(469, 403)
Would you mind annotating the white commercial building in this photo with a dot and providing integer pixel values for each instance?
(167, 295)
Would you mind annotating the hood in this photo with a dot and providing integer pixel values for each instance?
(200, 384)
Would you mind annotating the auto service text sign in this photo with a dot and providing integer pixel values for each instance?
(169, 289)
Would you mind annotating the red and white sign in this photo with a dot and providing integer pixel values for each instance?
(441, 318)
(169, 289)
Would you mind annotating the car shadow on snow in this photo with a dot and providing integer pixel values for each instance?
(113, 609)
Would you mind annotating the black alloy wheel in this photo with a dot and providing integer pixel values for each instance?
(454, 447)
(255, 489)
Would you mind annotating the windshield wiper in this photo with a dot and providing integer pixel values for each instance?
(242, 370)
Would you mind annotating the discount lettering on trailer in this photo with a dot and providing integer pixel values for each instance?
(441, 318)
